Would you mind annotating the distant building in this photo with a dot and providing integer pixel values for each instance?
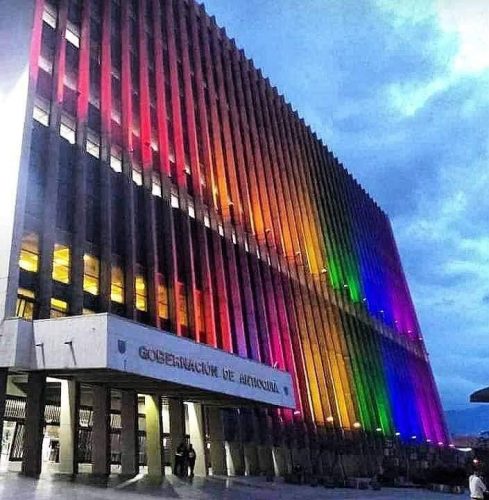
(154, 181)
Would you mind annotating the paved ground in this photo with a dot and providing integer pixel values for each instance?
(15, 487)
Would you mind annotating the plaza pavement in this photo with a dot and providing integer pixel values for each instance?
(49, 487)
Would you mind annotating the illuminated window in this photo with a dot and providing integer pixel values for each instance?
(61, 263)
(156, 189)
(162, 299)
(67, 128)
(41, 111)
(116, 159)
(59, 308)
(72, 34)
(137, 176)
(25, 304)
(49, 15)
(45, 63)
(182, 305)
(220, 229)
(199, 317)
(234, 237)
(91, 274)
(207, 220)
(115, 114)
(93, 144)
(191, 210)
(175, 203)
(246, 245)
(117, 285)
(141, 298)
(29, 253)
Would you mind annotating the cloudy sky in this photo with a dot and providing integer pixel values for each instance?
(399, 89)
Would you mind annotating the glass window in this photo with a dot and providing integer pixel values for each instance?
(25, 304)
(117, 285)
(116, 158)
(29, 253)
(191, 209)
(141, 297)
(175, 203)
(41, 111)
(67, 128)
(137, 176)
(162, 298)
(59, 308)
(182, 305)
(49, 15)
(45, 63)
(91, 274)
(72, 34)
(61, 263)
(93, 144)
(156, 185)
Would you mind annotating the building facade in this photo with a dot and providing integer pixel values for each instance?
(158, 182)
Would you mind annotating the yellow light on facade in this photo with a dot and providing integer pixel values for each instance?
(117, 285)
(141, 301)
(61, 263)
(29, 253)
(91, 274)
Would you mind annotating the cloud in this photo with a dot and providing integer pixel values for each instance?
(399, 91)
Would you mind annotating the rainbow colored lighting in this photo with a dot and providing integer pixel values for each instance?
(264, 244)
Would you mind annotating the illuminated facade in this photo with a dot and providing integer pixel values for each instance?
(167, 182)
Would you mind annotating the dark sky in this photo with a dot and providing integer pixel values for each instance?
(399, 90)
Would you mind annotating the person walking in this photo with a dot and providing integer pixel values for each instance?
(478, 490)
(191, 456)
(179, 460)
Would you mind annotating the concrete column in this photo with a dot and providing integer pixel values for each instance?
(234, 446)
(101, 431)
(250, 445)
(129, 434)
(265, 457)
(3, 397)
(68, 426)
(279, 463)
(34, 424)
(197, 437)
(235, 458)
(216, 439)
(176, 413)
(154, 441)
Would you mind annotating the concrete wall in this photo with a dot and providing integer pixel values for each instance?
(16, 26)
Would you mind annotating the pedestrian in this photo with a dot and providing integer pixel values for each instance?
(179, 460)
(478, 490)
(191, 456)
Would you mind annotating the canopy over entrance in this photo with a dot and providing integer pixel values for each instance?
(107, 349)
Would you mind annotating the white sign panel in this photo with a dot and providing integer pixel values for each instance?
(149, 352)
(103, 341)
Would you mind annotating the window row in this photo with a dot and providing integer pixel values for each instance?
(29, 261)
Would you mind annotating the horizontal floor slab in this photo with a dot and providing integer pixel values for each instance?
(103, 348)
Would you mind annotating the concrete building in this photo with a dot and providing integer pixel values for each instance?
(181, 258)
